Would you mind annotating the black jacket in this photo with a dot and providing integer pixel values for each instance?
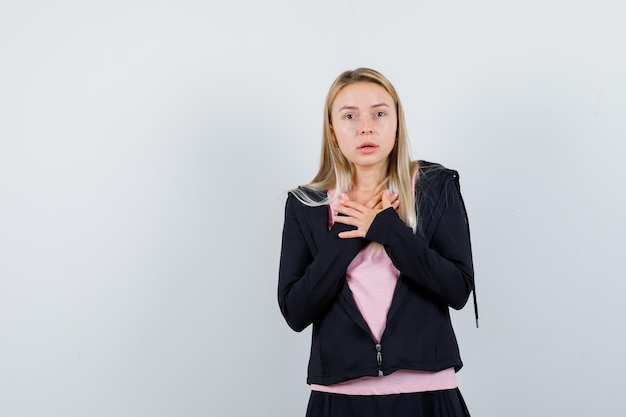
(436, 272)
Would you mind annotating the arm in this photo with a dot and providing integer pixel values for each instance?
(307, 281)
(442, 267)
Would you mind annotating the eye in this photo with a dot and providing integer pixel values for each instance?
(350, 116)
(380, 114)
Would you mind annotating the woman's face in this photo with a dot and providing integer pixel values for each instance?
(364, 124)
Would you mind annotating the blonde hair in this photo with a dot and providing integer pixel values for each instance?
(337, 173)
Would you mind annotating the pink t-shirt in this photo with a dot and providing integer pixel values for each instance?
(372, 278)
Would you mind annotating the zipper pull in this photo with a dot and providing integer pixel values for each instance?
(379, 358)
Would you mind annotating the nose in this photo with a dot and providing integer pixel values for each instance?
(366, 126)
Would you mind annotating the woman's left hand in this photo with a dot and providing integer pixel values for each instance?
(361, 216)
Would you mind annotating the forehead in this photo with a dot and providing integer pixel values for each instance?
(362, 95)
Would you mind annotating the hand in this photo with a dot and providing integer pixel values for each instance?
(360, 215)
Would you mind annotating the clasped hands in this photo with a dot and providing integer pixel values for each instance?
(360, 215)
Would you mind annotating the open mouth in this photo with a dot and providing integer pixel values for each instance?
(366, 148)
(367, 145)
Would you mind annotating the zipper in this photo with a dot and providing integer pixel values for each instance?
(379, 358)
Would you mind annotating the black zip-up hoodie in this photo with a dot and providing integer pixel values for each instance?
(436, 273)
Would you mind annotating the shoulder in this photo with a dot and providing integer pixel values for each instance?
(434, 178)
(303, 201)
(307, 196)
(436, 189)
(432, 171)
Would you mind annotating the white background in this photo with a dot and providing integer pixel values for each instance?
(145, 147)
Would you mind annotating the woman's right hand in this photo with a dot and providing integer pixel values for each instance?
(361, 216)
(383, 200)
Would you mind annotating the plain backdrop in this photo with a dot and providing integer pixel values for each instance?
(145, 148)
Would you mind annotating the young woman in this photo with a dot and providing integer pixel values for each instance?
(374, 252)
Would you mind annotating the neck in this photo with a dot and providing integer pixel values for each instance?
(367, 179)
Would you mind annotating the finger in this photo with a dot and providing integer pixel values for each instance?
(348, 211)
(351, 221)
(388, 199)
(351, 234)
(343, 197)
(375, 200)
(354, 205)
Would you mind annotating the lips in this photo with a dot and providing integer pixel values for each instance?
(367, 147)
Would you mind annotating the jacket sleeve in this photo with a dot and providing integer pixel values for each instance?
(311, 274)
(442, 265)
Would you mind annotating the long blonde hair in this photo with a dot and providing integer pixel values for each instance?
(337, 173)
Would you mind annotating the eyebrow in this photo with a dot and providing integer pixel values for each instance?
(355, 108)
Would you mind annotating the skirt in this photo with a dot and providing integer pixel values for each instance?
(444, 403)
